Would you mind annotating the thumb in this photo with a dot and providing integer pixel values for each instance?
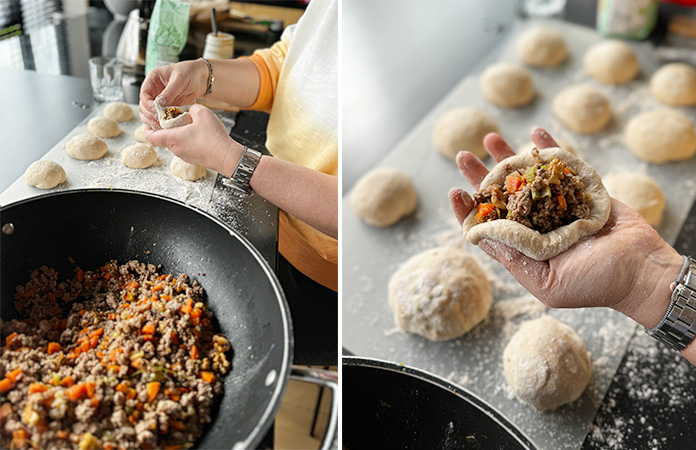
(164, 138)
(199, 112)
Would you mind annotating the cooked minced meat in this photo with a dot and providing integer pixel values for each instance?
(134, 363)
(172, 112)
(542, 197)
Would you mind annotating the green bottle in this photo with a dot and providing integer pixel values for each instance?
(628, 19)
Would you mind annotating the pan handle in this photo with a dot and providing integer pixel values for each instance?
(324, 378)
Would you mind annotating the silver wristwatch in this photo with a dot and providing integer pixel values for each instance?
(678, 327)
(245, 168)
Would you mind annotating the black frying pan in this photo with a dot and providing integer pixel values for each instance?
(391, 406)
(94, 226)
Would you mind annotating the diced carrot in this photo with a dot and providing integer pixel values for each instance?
(97, 332)
(55, 310)
(165, 297)
(90, 388)
(94, 341)
(67, 381)
(29, 293)
(109, 446)
(37, 387)
(149, 329)
(51, 297)
(483, 209)
(95, 402)
(63, 324)
(187, 307)
(175, 338)
(15, 375)
(147, 337)
(133, 285)
(53, 347)
(152, 390)
(5, 410)
(139, 406)
(113, 367)
(82, 312)
(121, 388)
(193, 352)
(42, 427)
(107, 276)
(131, 393)
(18, 436)
(145, 446)
(6, 385)
(10, 339)
(113, 356)
(80, 275)
(562, 201)
(137, 363)
(208, 377)
(159, 287)
(85, 346)
(76, 392)
(513, 184)
(177, 425)
(173, 447)
(63, 434)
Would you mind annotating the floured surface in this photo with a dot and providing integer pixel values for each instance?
(475, 360)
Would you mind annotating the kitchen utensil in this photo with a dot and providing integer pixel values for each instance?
(213, 21)
(388, 405)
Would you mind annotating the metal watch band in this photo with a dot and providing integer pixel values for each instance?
(241, 176)
(678, 327)
(211, 78)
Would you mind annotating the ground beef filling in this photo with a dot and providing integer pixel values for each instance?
(172, 112)
(542, 197)
(132, 363)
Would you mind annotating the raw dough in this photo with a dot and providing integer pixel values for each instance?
(441, 294)
(611, 62)
(103, 127)
(640, 192)
(138, 156)
(383, 196)
(583, 109)
(183, 117)
(541, 47)
(180, 168)
(44, 174)
(507, 84)
(530, 242)
(546, 364)
(463, 129)
(661, 136)
(86, 147)
(139, 134)
(675, 84)
(562, 143)
(118, 111)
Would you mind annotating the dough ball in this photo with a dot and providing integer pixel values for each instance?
(138, 156)
(103, 127)
(611, 62)
(86, 147)
(640, 192)
(463, 129)
(440, 294)
(541, 47)
(44, 174)
(139, 134)
(546, 364)
(383, 196)
(561, 143)
(118, 111)
(583, 109)
(675, 84)
(507, 84)
(180, 168)
(661, 136)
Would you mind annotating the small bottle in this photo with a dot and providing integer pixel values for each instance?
(629, 19)
(219, 46)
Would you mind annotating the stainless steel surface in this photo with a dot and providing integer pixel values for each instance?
(327, 379)
(475, 359)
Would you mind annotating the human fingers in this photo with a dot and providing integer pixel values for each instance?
(462, 204)
(148, 117)
(542, 138)
(534, 275)
(497, 147)
(472, 168)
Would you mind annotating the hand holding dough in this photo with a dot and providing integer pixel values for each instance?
(172, 116)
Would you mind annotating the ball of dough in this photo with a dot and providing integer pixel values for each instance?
(180, 168)
(139, 134)
(507, 84)
(463, 129)
(675, 84)
(44, 174)
(383, 196)
(640, 192)
(562, 143)
(541, 47)
(611, 62)
(118, 111)
(86, 147)
(583, 109)
(441, 294)
(546, 364)
(661, 136)
(103, 127)
(138, 156)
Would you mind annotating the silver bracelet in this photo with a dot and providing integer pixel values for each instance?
(241, 175)
(678, 326)
(211, 78)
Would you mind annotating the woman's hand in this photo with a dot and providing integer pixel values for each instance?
(204, 142)
(172, 85)
(625, 266)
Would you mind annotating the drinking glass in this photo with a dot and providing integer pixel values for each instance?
(105, 75)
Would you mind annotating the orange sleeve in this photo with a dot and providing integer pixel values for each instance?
(269, 63)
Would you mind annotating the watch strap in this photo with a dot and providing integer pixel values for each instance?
(678, 327)
(241, 176)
